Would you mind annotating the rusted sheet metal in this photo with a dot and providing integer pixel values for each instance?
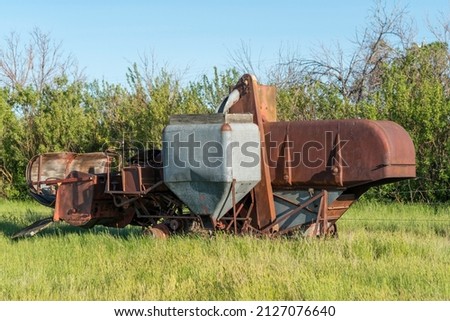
(75, 184)
(138, 180)
(262, 107)
(337, 208)
(75, 198)
(43, 171)
(81, 201)
(339, 153)
(58, 165)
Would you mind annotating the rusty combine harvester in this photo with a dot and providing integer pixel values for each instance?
(239, 170)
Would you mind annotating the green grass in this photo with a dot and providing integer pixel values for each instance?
(384, 252)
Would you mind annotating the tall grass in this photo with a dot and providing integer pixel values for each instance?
(384, 252)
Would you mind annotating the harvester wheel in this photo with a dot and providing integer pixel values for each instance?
(159, 231)
(333, 231)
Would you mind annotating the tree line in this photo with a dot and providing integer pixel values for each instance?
(46, 104)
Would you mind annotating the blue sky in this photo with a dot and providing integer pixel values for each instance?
(106, 36)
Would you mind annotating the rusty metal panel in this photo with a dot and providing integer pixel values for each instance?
(267, 103)
(339, 206)
(52, 166)
(264, 210)
(48, 166)
(92, 163)
(45, 170)
(74, 199)
(132, 180)
(340, 153)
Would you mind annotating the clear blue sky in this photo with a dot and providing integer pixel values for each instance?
(105, 36)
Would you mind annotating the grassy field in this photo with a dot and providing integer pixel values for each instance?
(384, 252)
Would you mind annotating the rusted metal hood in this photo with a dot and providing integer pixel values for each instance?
(343, 153)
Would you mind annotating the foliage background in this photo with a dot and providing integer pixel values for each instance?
(47, 105)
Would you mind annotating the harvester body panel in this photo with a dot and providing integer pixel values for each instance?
(208, 161)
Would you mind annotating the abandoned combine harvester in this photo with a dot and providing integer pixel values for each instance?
(238, 170)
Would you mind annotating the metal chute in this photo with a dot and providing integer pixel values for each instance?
(228, 101)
